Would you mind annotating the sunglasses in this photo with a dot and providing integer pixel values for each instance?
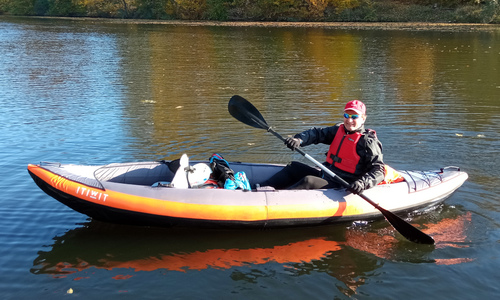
(354, 117)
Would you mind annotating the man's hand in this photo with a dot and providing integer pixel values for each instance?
(292, 143)
(357, 187)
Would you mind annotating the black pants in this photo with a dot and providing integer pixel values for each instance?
(299, 176)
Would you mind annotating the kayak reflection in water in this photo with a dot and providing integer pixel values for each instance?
(300, 250)
(355, 154)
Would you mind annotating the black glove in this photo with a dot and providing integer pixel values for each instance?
(292, 143)
(357, 187)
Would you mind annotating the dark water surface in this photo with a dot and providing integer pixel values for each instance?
(91, 92)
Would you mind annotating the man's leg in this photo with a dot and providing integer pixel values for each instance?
(291, 174)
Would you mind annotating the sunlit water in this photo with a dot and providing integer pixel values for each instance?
(92, 92)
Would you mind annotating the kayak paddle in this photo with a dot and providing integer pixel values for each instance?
(245, 112)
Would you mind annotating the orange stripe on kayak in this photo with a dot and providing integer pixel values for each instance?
(177, 209)
(307, 210)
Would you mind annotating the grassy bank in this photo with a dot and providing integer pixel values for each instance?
(433, 11)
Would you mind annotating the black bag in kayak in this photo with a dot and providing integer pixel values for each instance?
(220, 169)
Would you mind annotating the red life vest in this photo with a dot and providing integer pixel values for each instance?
(342, 153)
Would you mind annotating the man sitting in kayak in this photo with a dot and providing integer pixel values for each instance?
(355, 154)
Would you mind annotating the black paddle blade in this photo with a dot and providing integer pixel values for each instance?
(407, 230)
(245, 112)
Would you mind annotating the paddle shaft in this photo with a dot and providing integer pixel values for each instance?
(318, 164)
(262, 124)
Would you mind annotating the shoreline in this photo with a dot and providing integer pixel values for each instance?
(408, 26)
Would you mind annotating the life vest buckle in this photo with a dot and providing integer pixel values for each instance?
(335, 159)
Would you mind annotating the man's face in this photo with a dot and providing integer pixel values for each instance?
(354, 120)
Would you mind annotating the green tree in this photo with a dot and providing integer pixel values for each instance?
(41, 7)
(217, 10)
(108, 8)
(66, 8)
(20, 7)
(151, 9)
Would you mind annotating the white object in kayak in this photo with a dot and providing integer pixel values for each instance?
(198, 174)
(180, 180)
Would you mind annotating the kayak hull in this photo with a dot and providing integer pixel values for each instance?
(126, 193)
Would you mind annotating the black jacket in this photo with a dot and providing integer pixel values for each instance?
(370, 169)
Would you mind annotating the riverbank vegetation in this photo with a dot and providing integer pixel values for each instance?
(448, 11)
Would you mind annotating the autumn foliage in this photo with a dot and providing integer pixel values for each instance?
(256, 10)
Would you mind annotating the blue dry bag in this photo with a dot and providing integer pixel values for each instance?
(240, 181)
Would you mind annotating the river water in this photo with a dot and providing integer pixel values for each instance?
(97, 92)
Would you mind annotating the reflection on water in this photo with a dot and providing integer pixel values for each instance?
(151, 89)
(97, 245)
(448, 232)
(92, 92)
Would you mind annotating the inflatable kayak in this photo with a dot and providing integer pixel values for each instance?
(132, 193)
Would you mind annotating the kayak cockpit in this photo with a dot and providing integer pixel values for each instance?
(146, 173)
